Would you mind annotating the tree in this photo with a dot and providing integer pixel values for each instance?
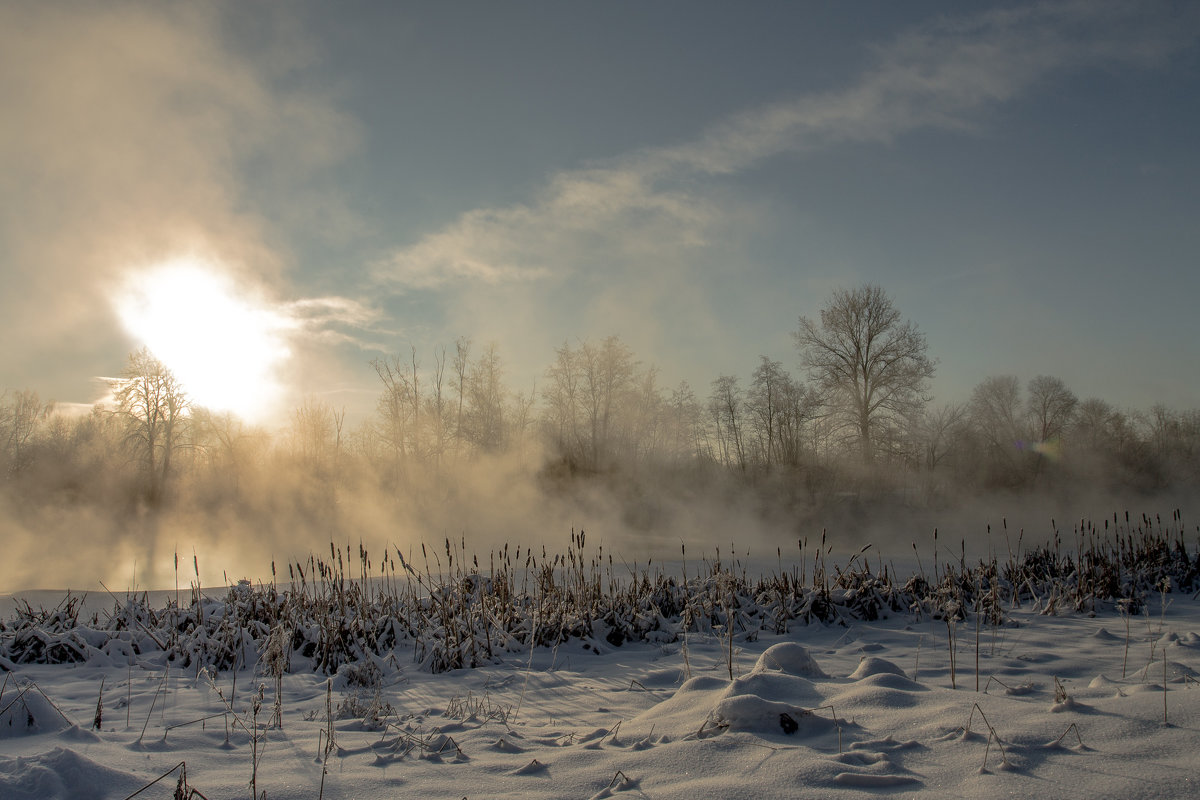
(941, 432)
(153, 408)
(765, 406)
(727, 404)
(1050, 406)
(563, 397)
(872, 365)
(316, 437)
(462, 362)
(996, 415)
(484, 419)
(685, 426)
(18, 421)
(606, 376)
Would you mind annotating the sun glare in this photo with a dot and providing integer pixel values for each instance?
(224, 346)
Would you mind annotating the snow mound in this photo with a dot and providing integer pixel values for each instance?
(890, 680)
(28, 714)
(1177, 672)
(868, 695)
(875, 666)
(776, 697)
(775, 686)
(770, 699)
(700, 683)
(754, 714)
(791, 658)
(62, 774)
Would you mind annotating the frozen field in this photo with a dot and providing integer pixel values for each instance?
(1071, 703)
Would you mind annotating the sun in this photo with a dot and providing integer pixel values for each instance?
(223, 345)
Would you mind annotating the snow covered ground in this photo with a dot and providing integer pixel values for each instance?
(1067, 705)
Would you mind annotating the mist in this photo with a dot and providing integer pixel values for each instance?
(453, 455)
(259, 146)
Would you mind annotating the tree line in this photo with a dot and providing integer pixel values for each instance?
(857, 420)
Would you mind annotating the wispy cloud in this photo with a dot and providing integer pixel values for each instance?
(657, 204)
(620, 211)
(336, 320)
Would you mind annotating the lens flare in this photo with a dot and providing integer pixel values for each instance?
(224, 345)
(1051, 448)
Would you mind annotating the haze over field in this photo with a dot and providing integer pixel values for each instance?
(385, 258)
(543, 399)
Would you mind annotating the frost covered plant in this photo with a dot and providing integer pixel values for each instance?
(364, 699)
(462, 611)
(951, 618)
(275, 661)
(476, 707)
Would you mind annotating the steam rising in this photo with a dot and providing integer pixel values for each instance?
(149, 134)
(138, 126)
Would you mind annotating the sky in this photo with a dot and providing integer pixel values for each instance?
(271, 195)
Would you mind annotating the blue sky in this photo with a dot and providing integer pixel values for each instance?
(1022, 178)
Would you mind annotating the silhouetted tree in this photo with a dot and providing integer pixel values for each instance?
(153, 409)
(726, 406)
(1050, 406)
(765, 407)
(872, 365)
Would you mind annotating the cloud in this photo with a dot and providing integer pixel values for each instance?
(335, 320)
(661, 203)
(132, 130)
(617, 211)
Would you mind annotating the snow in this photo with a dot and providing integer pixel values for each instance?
(822, 711)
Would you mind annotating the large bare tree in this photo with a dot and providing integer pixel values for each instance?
(153, 407)
(1050, 406)
(872, 365)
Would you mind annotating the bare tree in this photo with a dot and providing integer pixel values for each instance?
(462, 364)
(872, 365)
(436, 406)
(393, 410)
(941, 431)
(799, 407)
(1098, 425)
(764, 404)
(726, 404)
(18, 422)
(685, 425)
(606, 373)
(484, 418)
(996, 415)
(1050, 406)
(314, 435)
(564, 404)
(153, 407)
